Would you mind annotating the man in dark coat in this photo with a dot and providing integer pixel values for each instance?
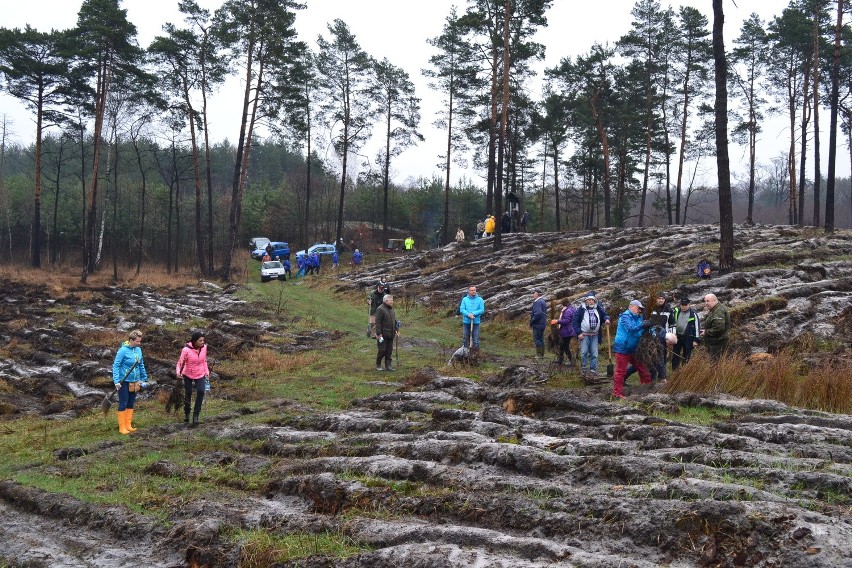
(386, 332)
(375, 300)
(538, 321)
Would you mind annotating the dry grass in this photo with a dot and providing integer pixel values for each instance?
(101, 337)
(783, 378)
(268, 361)
(828, 388)
(60, 281)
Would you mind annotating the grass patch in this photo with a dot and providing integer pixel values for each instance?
(700, 415)
(259, 549)
(752, 310)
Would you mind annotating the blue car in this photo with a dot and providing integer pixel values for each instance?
(322, 249)
(280, 250)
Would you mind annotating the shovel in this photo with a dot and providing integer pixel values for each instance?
(610, 369)
(463, 352)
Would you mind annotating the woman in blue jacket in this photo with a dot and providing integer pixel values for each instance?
(128, 376)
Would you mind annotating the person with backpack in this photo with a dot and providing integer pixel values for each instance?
(589, 322)
(566, 332)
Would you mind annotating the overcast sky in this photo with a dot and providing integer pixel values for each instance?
(398, 29)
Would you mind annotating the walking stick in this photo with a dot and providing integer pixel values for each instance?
(610, 370)
(369, 329)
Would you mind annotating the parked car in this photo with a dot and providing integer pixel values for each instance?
(393, 245)
(272, 269)
(258, 243)
(279, 249)
(322, 249)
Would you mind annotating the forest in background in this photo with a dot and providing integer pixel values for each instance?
(122, 168)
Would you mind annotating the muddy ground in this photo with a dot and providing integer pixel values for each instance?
(439, 471)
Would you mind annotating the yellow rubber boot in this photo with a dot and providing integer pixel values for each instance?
(128, 419)
(122, 425)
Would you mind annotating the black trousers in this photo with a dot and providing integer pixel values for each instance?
(188, 386)
(565, 349)
(385, 351)
(682, 351)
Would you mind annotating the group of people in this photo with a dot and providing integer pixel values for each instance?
(679, 330)
(129, 377)
(309, 264)
(509, 223)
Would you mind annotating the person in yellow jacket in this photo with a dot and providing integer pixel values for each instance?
(409, 244)
(128, 376)
(490, 225)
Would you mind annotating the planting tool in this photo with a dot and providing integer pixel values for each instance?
(610, 369)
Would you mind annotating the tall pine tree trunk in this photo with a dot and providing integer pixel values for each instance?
(832, 140)
(726, 215)
(817, 172)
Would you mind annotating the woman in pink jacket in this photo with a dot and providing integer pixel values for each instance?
(192, 366)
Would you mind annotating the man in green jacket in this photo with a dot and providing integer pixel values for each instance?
(717, 327)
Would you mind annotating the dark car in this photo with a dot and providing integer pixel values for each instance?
(279, 250)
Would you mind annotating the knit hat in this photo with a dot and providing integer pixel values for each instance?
(637, 303)
(590, 295)
(684, 301)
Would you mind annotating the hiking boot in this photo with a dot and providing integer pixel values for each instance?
(379, 368)
(194, 422)
(186, 418)
(390, 368)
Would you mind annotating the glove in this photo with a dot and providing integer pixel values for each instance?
(646, 324)
(381, 339)
(117, 386)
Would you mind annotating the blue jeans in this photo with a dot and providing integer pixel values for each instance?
(126, 399)
(589, 352)
(538, 337)
(466, 335)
